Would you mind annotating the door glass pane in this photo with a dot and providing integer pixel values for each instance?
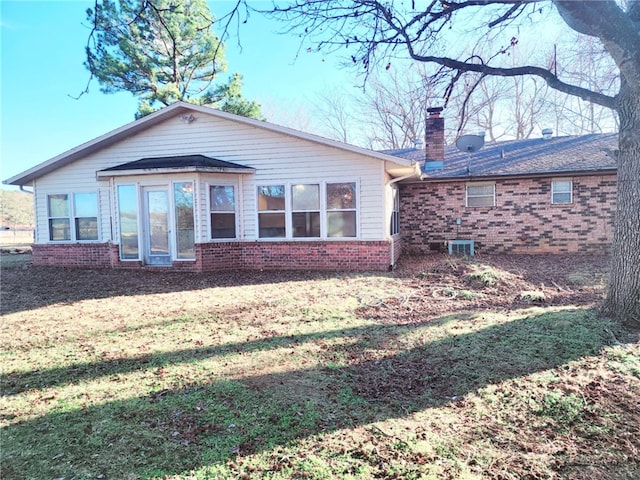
(158, 222)
(185, 232)
(128, 218)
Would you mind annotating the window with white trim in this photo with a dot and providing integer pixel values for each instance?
(341, 210)
(305, 210)
(481, 195)
(73, 217)
(394, 228)
(313, 210)
(272, 212)
(561, 192)
(222, 211)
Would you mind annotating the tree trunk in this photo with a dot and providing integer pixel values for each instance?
(623, 290)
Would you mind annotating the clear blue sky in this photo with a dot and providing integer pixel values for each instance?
(41, 67)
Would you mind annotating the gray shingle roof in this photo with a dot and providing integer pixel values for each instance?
(181, 161)
(558, 155)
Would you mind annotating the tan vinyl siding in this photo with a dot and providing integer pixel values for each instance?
(277, 158)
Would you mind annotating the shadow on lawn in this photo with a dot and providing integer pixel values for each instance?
(16, 383)
(179, 430)
(28, 287)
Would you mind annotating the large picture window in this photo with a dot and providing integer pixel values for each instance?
(73, 217)
(482, 195)
(223, 211)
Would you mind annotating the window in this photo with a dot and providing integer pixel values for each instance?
(482, 195)
(307, 210)
(394, 228)
(185, 231)
(341, 209)
(271, 212)
(561, 192)
(223, 211)
(305, 206)
(128, 221)
(85, 208)
(59, 226)
(73, 217)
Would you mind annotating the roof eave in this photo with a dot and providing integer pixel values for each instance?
(563, 173)
(104, 174)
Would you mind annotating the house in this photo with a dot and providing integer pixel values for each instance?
(539, 195)
(197, 189)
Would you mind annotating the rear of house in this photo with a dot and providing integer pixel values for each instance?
(539, 195)
(196, 189)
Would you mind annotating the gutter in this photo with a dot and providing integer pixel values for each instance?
(417, 173)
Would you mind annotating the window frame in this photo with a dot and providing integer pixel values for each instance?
(355, 209)
(554, 181)
(72, 217)
(235, 211)
(324, 211)
(394, 218)
(283, 212)
(294, 210)
(480, 184)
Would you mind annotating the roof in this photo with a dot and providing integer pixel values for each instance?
(182, 163)
(402, 166)
(531, 157)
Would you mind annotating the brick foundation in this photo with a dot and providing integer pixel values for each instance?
(523, 220)
(96, 255)
(347, 256)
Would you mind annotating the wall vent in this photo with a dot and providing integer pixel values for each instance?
(461, 247)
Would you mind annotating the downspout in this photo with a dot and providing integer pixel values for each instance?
(416, 173)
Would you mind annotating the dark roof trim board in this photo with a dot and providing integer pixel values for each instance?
(173, 164)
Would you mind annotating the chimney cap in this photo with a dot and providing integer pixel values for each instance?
(435, 110)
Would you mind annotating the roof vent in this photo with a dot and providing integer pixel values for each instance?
(418, 144)
(547, 133)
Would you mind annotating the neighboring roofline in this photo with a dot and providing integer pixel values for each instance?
(519, 176)
(160, 116)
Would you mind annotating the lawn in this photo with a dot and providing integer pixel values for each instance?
(447, 368)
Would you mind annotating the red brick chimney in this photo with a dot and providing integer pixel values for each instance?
(434, 139)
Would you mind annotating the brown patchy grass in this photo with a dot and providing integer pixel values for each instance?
(445, 368)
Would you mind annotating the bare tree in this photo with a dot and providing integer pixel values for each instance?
(375, 32)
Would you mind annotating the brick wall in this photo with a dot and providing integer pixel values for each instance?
(348, 256)
(523, 220)
(74, 254)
